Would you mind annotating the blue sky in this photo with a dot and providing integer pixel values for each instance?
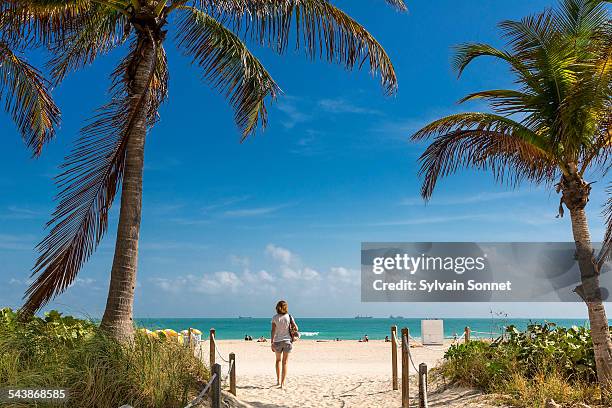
(228, 228)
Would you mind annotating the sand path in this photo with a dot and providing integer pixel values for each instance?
(332, 374)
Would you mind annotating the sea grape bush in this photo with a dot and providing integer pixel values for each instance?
(538, 350)
(42, 335)
(547, 346)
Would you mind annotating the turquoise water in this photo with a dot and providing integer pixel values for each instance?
(343, 328)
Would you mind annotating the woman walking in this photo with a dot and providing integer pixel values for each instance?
(284, 332)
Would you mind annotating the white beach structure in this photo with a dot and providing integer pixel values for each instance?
(432, 332)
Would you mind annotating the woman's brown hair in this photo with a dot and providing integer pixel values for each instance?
(282, 307)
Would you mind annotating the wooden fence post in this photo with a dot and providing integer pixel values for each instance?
(405, 369)
(212, 347)
(216, 387)
(467, 334)
(232, 360)
(394, 357)
(423, 385)
(189, 342)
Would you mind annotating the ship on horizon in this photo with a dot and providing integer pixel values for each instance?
(363, 317)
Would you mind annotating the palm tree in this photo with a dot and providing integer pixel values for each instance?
(110, 152)
(23, 90)
(551, 129)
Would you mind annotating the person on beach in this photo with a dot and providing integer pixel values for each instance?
(282, 341)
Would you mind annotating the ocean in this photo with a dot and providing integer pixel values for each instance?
(342, 328)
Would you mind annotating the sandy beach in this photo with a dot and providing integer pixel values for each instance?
(329, 374)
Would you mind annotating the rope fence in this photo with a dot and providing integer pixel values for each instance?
(217, 380)
(201, 395)
(408, 360)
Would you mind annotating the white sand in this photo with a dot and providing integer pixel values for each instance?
(330, 374)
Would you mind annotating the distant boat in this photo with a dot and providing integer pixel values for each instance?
(362, 317)
(396, 317)
(244, 317)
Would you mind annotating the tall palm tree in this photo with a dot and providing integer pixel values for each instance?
(23, 90)
(110, 152)
(552, 129)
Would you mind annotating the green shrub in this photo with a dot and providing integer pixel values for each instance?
(528, 367)
(477, 364)
(567, 350)
(64, 352)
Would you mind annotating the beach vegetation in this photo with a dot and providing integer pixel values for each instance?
(63, 352)
(553, 129)
(528, 368)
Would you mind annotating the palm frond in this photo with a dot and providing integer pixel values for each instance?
(605, 252)
(505, 100)
(530, 34)
(322, 30)
(40, 21)
(509, 150)
(89, 182)
(465, 54)
(27, 99)
(579, 18)
(398, 4)
(228, 66)
(99, 31)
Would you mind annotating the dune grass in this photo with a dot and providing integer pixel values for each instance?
(63, 352)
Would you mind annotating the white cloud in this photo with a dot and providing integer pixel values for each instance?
(310, 274)
(340, 276)
(294, 115)
(257, 278)
(224, 202)
(17, 242)
(289, 273)
(291, 267)
(14, 212)
(280, 254)
(341, 105)
(265, 276)
(466, 199)
(252, 212)
(16, 281)
(209, 283)
(88, 283)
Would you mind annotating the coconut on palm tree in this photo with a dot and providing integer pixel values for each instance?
(23, 90)
(551, 129)
(110, 152)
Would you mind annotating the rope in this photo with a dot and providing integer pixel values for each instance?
(412, 361)
(229, 371)
(407, 346)
(197, 399)
(404, 343)
(490, 334)
(218, 352)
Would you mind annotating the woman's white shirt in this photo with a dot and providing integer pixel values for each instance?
(282, 327)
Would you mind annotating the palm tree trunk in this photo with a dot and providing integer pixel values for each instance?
(575, 196)
(118, 320)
